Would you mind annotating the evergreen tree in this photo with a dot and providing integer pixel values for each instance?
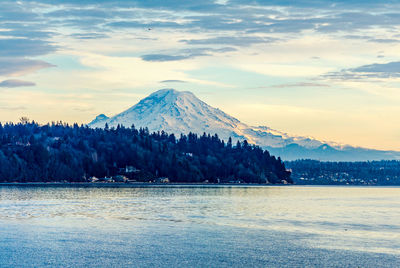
(60, 152)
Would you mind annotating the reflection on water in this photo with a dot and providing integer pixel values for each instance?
(358, 219)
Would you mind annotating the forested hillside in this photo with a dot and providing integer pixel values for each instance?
(58, 152)
(385, 172)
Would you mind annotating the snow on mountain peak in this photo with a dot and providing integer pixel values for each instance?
(174, 112)
(100, 118)
(182, 112)
(162, 93)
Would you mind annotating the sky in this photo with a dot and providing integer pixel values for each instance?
(326, 69)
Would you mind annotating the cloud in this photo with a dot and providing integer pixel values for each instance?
(344, 21)
(371, 71)
(25, 47)
(301, 84)
(163, 57)
(154, 4)
(354, 36)
(184, 54)
(17, 13)
(387, 68)
(16, 83)
(384, 40)
(26, 33)
(21, 66)
(172, 81)
(230, 40)
(246, 17)
(81, 13)
(150, 24)
(89, 35)
(372, 39)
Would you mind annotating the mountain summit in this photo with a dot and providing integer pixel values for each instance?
(182, 112)
(175, 112)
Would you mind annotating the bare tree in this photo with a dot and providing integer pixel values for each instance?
(24, 120)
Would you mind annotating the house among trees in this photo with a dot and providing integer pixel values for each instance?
(131, 169)
(128, 170)
(161, 180)
(73, 153)
(120, 178)
(106, 179)
(93, 179)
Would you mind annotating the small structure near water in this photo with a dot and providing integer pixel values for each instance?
(120, 178)
(161, 180)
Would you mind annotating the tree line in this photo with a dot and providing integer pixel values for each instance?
(385, 172)
(30, 152)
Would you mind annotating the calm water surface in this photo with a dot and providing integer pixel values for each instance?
(200, 227)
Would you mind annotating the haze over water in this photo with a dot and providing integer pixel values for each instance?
(200, 226)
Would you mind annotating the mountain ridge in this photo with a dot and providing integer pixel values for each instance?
(182, 112)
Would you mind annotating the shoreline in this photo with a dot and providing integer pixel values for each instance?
(170, 185)
(132, 185)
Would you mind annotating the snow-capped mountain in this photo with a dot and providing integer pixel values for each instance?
(182, 112)
(100, 118)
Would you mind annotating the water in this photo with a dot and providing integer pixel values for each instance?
(290, 226)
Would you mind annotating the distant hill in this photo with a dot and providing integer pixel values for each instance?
(182, 112)
(384, 172)
(33, 153)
